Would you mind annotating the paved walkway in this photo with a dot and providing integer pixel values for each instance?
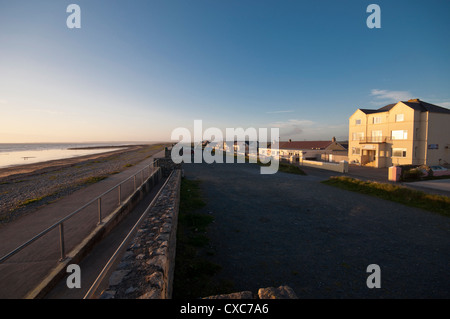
(437, 186)
(286, 229)
(25, 270)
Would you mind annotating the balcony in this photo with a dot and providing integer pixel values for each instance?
(373, 140)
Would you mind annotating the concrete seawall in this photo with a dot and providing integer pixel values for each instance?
(146, 268)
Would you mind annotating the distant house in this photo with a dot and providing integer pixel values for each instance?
(404, 133)
(236, 147)
(315, 150)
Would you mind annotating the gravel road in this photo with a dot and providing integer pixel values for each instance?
(285, 229)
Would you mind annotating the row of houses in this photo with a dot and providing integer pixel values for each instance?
(331, 150)
(412, 132)
(309, 150)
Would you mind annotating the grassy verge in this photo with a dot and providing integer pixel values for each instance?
(410, 197)
(283, 167)
(193, 277)
(286, 168)
(292, 169)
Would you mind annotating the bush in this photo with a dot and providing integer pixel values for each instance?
(415, 172)
(412, 174)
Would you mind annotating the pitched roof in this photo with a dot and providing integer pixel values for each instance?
(367, 111)
(387, 107)
(305, 145)
(422, 106)
(415, 104)
(382, 109)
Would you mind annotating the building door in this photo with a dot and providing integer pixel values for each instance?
(369, 158)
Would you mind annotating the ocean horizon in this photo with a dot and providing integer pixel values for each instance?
(15, 154)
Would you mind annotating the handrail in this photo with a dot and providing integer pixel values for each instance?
(60, 222)
(373, 139)
(113, 258)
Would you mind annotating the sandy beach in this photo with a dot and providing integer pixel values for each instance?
(25, 188)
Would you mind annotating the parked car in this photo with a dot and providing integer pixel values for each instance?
(438, 168)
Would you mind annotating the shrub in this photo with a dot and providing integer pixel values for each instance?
(412, 174)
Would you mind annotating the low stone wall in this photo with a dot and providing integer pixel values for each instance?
(341, 167)
(146, 269)
(167, 165)
(282, 292)
(441, 173)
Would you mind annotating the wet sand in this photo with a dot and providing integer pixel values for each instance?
(29, 168)
(25, 188)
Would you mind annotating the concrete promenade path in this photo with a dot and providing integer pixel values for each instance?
(25, 270)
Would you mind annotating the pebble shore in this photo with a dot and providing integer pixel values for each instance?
(25, 188)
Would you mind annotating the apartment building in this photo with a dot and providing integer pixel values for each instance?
(405, 133)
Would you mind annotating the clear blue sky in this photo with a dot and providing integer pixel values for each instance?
(136, 70)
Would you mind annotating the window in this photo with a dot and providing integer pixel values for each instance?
(358, 122)
(399, 135)
(376, 120)
(358, 136)
(399, 117)
(356, 151)
(399, 152)
(377, 136)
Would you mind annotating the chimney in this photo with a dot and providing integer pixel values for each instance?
(333, 139)
(290, 140)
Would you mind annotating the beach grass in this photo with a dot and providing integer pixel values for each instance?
(431, 202)
(41, 200)
(93, 179)
(31, 201)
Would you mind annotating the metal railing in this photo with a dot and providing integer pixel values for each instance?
(373, 139)
(119, 251)
(151, 171)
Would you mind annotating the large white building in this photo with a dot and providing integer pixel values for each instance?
(413, 132)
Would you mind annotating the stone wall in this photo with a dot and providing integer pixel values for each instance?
(341, 167)
(167, 165)
(146, 269)
(282, 292)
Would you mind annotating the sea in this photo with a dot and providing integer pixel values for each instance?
(19, 154)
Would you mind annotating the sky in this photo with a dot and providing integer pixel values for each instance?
(137, 70)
